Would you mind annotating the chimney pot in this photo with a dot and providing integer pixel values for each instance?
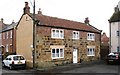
(2, 20)
(86, 21)
(26, 4)
(39, 12)
(26, 8)
(116, 9)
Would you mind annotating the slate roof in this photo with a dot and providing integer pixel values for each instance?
(115, 17)
(6, 27)
(57, 22)
(11, 26)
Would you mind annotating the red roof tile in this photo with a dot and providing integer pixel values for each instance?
(57, 22)
(104, 38)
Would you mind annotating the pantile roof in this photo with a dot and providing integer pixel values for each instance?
(57, 22)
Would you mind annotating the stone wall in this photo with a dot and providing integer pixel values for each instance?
(44, 41)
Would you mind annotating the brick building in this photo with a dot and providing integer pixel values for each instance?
(7, 38)
(58, 41)
(104, 46)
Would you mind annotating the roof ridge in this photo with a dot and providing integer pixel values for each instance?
(61, 18)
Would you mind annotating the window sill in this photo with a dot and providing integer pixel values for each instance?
(57, 57)
(57, 38)
(90, 55)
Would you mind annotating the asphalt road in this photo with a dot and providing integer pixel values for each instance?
(82, 69)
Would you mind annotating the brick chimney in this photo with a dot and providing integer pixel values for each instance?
(40, 12)
(26, 8)
(86, 21)
(116, 9)
(2, 20)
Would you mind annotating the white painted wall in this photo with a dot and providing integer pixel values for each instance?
(114, 37)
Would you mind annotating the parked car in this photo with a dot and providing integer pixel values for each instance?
(14, 61)
(113, 58)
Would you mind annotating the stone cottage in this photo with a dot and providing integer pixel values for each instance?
(58, 41)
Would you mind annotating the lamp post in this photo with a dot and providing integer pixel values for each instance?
(34, 36)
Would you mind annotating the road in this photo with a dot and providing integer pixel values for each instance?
(85, 69)
(101, 68)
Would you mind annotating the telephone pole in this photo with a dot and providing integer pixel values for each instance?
(34, 36)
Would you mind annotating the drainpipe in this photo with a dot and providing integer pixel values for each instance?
(110, 37)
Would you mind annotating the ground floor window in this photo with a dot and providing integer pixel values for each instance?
(7, 48)
(91, 51)
(118, 49)
(57, 53)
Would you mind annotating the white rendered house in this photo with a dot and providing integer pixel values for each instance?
(115, 30)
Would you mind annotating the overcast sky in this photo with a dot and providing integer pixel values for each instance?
(98, 11)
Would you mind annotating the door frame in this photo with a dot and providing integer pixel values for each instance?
(75, 55)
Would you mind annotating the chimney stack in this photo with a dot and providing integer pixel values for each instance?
(39, 12)
(86, 21)
(2, 20)
(116, 9)
(26, 8)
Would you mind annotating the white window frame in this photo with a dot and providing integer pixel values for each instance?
(91, 36)
(57, 55)
(76, 35)
(58, 33)
(7, 48)
(6, 35)
(11, 34)
(90, 50)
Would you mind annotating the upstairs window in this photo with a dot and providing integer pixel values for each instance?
(7, 35)
(76, 35)
(90, 36)
(57, 33)
(11, 34)
(3, 35)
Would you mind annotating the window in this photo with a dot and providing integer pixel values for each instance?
(57, 53)
(118, 33)
(11, 34)
(18, 58)
(57, 33)
(7, 35)
(3, 35)
(76, 35)
(118, 49)
(90, 36)
(7, 48)
(90, 51)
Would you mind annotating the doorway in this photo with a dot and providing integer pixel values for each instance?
(75, 55)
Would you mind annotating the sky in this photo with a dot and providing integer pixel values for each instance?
(98, 11)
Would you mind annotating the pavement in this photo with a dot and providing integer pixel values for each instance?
(0, 66)
(58, 69)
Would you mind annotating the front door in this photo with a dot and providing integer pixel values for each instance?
(75, 56)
